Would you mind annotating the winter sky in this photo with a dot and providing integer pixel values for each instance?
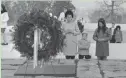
(91, 4)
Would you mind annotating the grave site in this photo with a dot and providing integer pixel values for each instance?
(36, 41)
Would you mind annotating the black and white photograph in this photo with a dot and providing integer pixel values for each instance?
(63, 38)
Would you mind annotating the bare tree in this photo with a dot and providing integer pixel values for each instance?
(113, 8)
(111, 11)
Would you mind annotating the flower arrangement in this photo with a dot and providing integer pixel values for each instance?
(51, 37)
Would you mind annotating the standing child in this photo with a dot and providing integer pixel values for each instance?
(83, 47)
(118, 35)
(102, 36)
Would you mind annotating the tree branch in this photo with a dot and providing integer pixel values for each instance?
(106, 4)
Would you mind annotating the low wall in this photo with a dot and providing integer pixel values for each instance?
(116, 50)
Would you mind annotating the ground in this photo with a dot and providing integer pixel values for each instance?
(86, 69)
(111, 68)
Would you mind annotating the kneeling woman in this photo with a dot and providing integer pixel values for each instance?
(71, 31)
(102, 37)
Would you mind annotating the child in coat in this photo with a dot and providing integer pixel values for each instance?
(83, 47)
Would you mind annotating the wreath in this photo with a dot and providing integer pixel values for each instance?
(51, 37)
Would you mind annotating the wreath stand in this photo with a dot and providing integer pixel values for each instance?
(45, 69)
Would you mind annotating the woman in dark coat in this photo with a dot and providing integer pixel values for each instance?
(118, 35)
(102, 35)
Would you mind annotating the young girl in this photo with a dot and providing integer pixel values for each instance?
(118, 35)
(83, 47)
(102, 35)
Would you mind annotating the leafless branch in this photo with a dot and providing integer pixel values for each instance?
(106, 3)
(120, 2)
(108, 15)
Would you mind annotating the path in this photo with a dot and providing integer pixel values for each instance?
(86, 69)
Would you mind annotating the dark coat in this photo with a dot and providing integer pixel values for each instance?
(80, 26)
(102, 47)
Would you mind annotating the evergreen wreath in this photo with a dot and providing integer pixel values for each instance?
(52, 37)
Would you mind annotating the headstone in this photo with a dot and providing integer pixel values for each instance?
(50, 69)
(88, 69)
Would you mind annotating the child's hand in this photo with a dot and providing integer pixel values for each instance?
(101, 39)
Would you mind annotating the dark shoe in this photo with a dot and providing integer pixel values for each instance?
(87, 57)
(104, 58)
(4, 44)
(100, 58)
(81, 56)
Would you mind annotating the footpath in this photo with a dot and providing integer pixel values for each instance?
(85, 69)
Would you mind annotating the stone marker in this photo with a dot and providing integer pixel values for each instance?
(55, 69)
(88, 69)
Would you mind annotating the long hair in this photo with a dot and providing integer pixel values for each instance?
(4, 9)
(104, 25)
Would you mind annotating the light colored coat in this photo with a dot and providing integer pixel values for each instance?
(70, 48)
(4, 19)
(118, 36)
(83, 47)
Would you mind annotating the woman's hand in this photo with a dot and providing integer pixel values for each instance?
(101, 39)
(75, 34)
(69, 31)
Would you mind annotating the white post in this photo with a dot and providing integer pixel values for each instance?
(35, 48)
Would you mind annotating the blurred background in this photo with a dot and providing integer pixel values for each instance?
(90, 10)
(113, 11)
